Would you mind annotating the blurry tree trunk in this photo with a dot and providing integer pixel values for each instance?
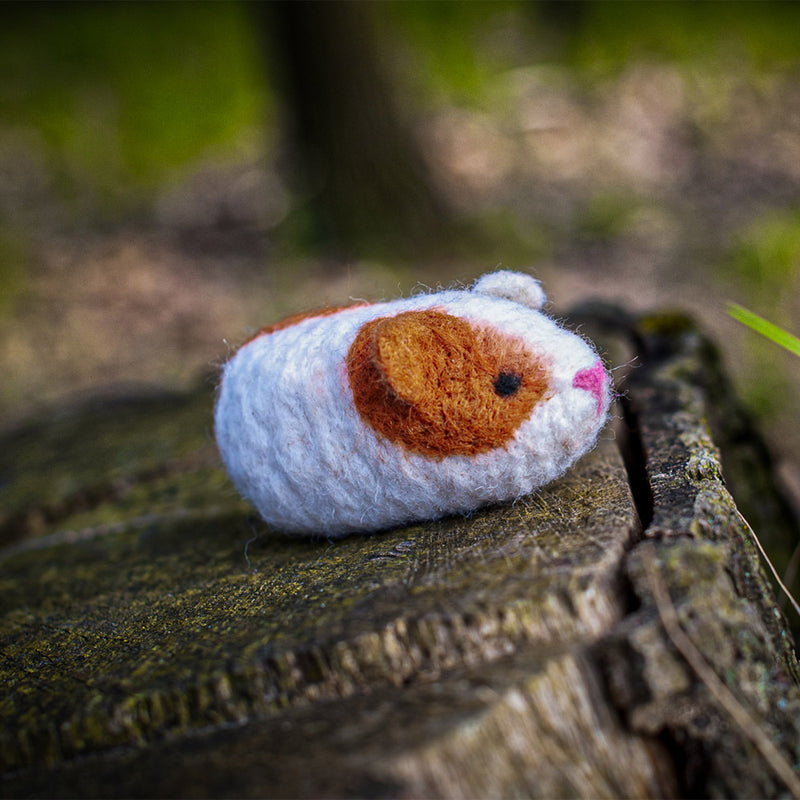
(368, 180)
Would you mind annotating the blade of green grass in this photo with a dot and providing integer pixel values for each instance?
(765, 328)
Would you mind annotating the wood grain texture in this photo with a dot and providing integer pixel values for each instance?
(158, 640)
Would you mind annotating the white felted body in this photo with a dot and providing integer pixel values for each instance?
(296, 447)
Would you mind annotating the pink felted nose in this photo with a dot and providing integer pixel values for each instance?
(594, 380)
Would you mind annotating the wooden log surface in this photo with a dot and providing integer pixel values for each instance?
(158, 640)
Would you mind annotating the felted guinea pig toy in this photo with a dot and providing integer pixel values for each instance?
(373, 415)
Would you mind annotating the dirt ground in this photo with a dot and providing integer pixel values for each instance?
(651, 190)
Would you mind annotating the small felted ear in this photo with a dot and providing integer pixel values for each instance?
(516, 286)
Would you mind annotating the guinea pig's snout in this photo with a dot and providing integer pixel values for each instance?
(594, 380)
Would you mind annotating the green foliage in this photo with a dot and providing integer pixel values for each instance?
(766, 255)
(765, 259)
(765, 328)
(123, 93)
(612, 34)
(444, 39)
(767, 384)
(458, 48)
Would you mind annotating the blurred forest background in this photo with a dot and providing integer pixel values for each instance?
(173, 176)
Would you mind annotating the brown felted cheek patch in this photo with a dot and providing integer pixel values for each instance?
(293, 319)
(440, 386)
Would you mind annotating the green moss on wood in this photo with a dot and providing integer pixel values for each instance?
(73, 461)
(160, 610)
(142, 630)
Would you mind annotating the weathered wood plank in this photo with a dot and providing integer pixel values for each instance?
(97, 455)
(705, 553)
(533, 724)
(210, 638)
(157, 640)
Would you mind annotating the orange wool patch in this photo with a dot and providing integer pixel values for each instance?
(293, 319)
(439, 386)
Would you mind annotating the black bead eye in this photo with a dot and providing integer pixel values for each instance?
(507, 383)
